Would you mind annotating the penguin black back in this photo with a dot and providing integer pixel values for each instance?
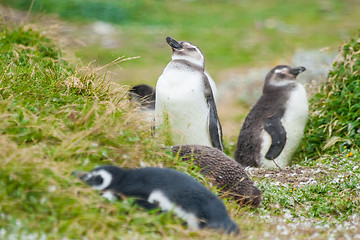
(167, 188)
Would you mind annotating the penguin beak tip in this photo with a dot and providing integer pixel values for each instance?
(173, 43)
(78, 174)
(297, 71)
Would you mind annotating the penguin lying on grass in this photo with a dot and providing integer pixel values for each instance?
(166, 188)
(275, 125)
(184, 98)
(226, 173)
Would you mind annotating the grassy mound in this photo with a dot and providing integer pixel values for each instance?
(56, 118)
(334, 123)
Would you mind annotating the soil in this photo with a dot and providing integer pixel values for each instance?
(296, 177)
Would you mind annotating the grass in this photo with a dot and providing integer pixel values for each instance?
(56, 118)
(334, 124)
(231, 34)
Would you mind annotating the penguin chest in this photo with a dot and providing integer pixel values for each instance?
(295, 117)
(293, 120)
(180, 98)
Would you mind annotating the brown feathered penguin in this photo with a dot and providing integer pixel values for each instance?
(226, 173)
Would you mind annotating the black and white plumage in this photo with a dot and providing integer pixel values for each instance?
(224, 172)
(275, 125)
(144, 94)
(184, 98)
(166, 188)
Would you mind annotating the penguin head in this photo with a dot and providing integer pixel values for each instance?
(186, 51)
(100, 178)
(144, 94)
(283, 75)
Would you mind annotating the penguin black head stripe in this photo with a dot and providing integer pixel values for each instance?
(282, 75)
(168, 189)
(274, 126)
(100, 178)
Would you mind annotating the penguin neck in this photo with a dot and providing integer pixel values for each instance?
(196, 62)
(118, 176)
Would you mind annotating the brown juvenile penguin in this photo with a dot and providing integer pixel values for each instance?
(273, 129)
(226, 173)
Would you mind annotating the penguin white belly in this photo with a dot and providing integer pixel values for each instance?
(157, 196)
(180, 95)
(294, 120)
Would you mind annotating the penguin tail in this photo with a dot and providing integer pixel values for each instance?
(232, 228)
(228, 226)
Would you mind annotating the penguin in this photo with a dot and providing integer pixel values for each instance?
(166, 188)
(144, 94)
(212, 85)
(273, 129)
(184, 99)
(224, 172)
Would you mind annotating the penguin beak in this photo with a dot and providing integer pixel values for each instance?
(81, 175)
(296, 71)
(173, 43)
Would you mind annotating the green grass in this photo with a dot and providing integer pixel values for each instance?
(56, 118)
(334, 123)
(333, 196)
(50, 127)
(231, 34)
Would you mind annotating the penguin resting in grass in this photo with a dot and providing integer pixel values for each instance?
(184, 99)
(224, 172)
(275, 125)
(166, 188)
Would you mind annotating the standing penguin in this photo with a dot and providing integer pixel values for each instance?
(184, 98)
(166, 188)
(275, 125)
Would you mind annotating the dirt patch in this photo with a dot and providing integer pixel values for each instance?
(297, 177)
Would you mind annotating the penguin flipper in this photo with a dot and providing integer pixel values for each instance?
(215, 130)
(278, 136)
(215, 127)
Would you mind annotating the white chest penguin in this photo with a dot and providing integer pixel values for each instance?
(184, 99)
(275, 125)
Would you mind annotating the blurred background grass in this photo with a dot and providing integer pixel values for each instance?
(231, 34)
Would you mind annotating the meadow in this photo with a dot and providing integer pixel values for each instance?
(60, 115)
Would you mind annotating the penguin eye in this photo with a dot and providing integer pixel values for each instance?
(191, 49)
(282, 75)
(96, 180)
